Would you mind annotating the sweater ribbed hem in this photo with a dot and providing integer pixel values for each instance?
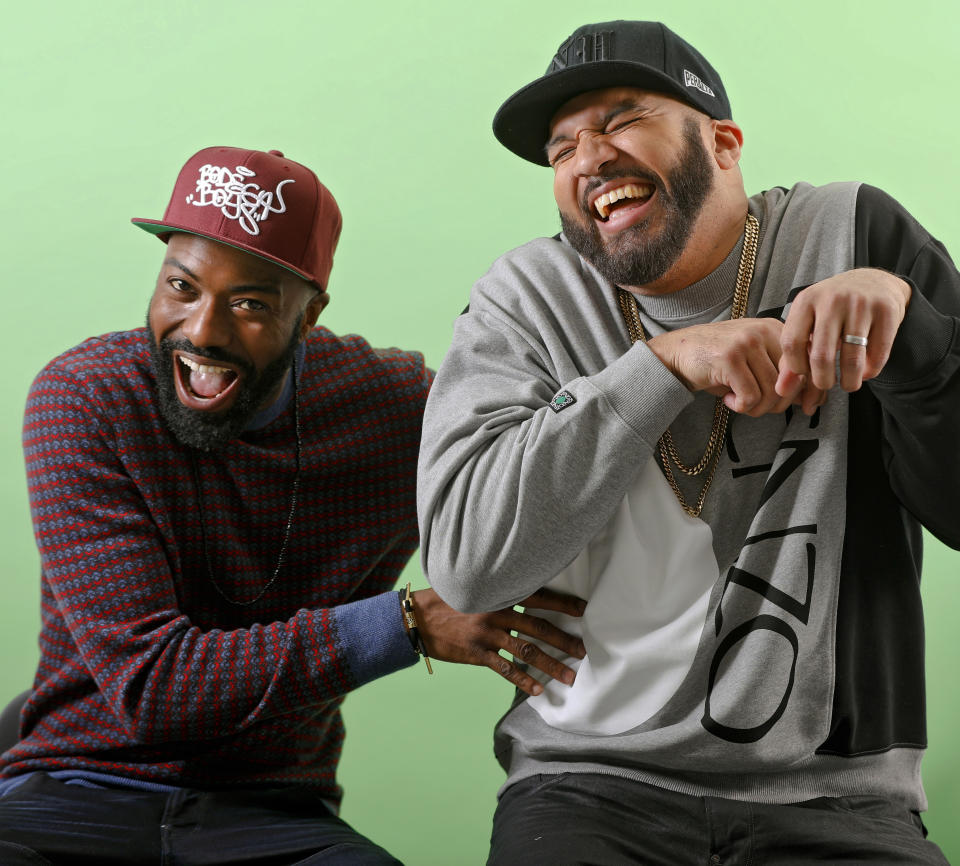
(894, 774)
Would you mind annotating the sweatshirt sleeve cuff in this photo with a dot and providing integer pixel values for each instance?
(643, 392)
(922, 342)
(372, 636)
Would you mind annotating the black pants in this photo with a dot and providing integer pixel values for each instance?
(583, 819)
(44, 821)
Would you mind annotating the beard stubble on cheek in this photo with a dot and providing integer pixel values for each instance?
(208, 431)
(641, 254)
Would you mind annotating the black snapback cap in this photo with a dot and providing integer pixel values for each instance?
(643, 54)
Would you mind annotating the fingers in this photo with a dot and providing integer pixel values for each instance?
(543, 631)
(799, 390)
(852, 357)
(739, 361)
(561, 602)
(795, 339)
(863, 304)
(822, 352)
(735, 360)
(531, 655)
(478, 639)
(811, 398)
(789, 384)
(748, 367)
(508, 621)
(883, 330)
(830, 351)
(752, 381)
(761, 366)
(858, 362)
(749, 382)
(511, 673)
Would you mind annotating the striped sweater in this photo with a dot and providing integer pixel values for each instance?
(145, 670)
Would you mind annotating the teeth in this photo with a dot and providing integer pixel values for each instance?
(630, 190)
(203, 368)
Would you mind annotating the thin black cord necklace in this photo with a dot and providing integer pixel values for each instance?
(293, 507)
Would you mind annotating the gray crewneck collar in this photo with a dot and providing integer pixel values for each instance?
(703, 300)
(710, 295)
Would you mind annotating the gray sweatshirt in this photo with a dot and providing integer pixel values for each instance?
(745, 653)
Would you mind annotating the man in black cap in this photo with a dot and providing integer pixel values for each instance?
(722, 420)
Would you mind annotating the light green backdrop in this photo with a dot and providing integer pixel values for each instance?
(391, 103)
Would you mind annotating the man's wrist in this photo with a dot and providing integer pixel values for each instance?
(662, 346)
(409, 615)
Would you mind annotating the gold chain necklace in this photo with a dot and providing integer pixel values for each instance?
(721, 414)
(294, 490)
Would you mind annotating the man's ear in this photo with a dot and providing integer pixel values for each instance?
(727, 143)
(314, 308)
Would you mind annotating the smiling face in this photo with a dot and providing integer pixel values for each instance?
(225, 326)
(632, 175)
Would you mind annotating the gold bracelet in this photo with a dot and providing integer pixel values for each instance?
(410, 622)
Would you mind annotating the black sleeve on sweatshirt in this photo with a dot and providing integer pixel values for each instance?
(919, 388)
(902, 466)
(888, 237)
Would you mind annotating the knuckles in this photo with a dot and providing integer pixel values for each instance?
(793, 345)
(526, 651)
(821, 358)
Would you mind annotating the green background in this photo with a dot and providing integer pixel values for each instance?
(391, 104)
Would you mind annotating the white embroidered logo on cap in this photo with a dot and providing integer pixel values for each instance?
(238, 198)
(692, 80)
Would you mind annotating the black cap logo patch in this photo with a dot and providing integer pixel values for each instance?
(561, 400)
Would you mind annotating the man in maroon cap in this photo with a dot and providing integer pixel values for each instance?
(223, 501)
(722, 420)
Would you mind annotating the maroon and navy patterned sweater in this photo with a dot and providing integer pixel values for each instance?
(145, 671)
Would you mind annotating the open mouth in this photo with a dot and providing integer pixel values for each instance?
(614, 199)
(203, 385)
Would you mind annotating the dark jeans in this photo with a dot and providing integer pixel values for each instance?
(44, 821)
(595, 819)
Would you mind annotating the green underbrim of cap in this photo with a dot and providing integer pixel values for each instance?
(158, 229)
(522, 123)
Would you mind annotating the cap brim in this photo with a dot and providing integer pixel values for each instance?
(158, 228)
(522, 124)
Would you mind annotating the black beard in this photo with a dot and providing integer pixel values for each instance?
(209, 431)
(637, 256)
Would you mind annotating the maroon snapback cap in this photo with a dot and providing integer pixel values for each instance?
(259, 202)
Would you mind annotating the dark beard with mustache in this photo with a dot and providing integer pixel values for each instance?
(209, 431)
(639, 256)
